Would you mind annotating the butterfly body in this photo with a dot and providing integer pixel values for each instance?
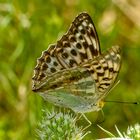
(73, 73)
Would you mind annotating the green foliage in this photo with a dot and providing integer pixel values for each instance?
(28, 27)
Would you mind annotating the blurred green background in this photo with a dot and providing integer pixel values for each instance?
(27, 27)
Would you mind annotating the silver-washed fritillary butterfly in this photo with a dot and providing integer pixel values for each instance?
(73, 73)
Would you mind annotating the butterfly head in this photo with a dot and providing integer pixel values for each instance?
(100, 104)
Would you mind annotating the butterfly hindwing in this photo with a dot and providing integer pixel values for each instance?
(105, 69)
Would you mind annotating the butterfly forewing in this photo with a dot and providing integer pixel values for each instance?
(78, 45)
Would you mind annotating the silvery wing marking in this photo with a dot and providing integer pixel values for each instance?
(82, 88)
(78, 45)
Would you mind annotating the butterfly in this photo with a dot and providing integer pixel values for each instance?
(73, 73)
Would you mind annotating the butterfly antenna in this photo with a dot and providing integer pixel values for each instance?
(124, 102)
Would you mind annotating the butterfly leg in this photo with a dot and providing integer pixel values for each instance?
(89, 123)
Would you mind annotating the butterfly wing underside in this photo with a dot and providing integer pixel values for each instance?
(73, 73)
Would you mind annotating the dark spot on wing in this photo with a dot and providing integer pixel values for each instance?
(83, 55)
(66, 45)
(92, 71)
(78, 45)
(100, 74)
(110, 69)
(93, 50)
(83, 31)
(72, 39)
(80, 37)
(106, 84)
(64, 55)
(41, 76)
(99, 67)
(92, 34)
(44, 66)
(72, 62)
(55, 63)
(48, 59)
(105, 68)
(75, 31)
(106, 79)
(85, 44)
(52, 70)
(73, 52)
